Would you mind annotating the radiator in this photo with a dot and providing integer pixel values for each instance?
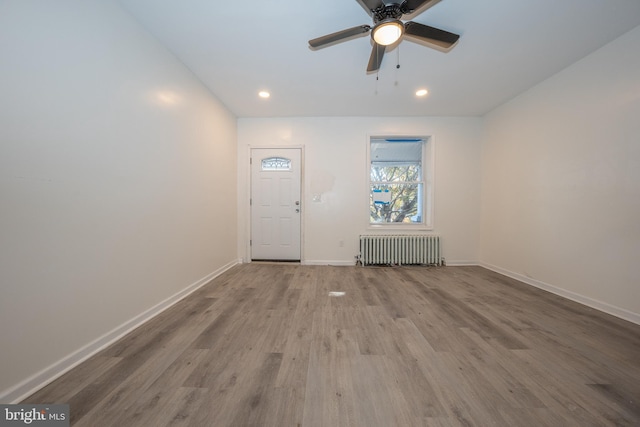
(396, 249)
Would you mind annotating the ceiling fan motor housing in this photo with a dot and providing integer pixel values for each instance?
(388, 12)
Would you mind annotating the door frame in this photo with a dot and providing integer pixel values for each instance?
(247, 203)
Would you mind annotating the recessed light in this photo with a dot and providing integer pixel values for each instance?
(264, 94)
(422, 92)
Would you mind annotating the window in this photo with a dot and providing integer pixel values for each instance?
(276, 164)
(399, 181)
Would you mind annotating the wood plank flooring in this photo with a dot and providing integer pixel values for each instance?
(266, 345)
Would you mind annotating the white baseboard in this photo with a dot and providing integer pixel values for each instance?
(589, 302)
(341, 263)
(458, 263)
(34, 383)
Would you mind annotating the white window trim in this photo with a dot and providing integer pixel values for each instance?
(428, 161)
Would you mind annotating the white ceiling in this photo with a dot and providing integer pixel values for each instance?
(506, 47)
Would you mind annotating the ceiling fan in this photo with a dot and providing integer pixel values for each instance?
(388, 29)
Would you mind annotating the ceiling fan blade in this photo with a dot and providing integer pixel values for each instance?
(370, 5)
(412, 5)
(376, 57)
(338, 36)
(433, 37)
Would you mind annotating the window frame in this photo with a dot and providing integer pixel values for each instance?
(428, 165)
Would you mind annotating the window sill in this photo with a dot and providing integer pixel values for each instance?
(397, 227)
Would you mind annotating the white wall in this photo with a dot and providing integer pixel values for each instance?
(561, 182)
(117, 181)
(335, 167)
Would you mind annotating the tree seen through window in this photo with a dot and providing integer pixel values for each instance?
(396, 180)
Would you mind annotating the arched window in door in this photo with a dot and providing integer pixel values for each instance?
(276, 164)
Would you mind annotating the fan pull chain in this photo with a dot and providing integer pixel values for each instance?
(397, 66)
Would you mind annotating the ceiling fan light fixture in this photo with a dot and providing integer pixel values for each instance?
(387, 32)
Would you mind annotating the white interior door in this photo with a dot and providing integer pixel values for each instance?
(275, 203)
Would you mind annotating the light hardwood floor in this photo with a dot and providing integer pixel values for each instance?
(266, 345)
